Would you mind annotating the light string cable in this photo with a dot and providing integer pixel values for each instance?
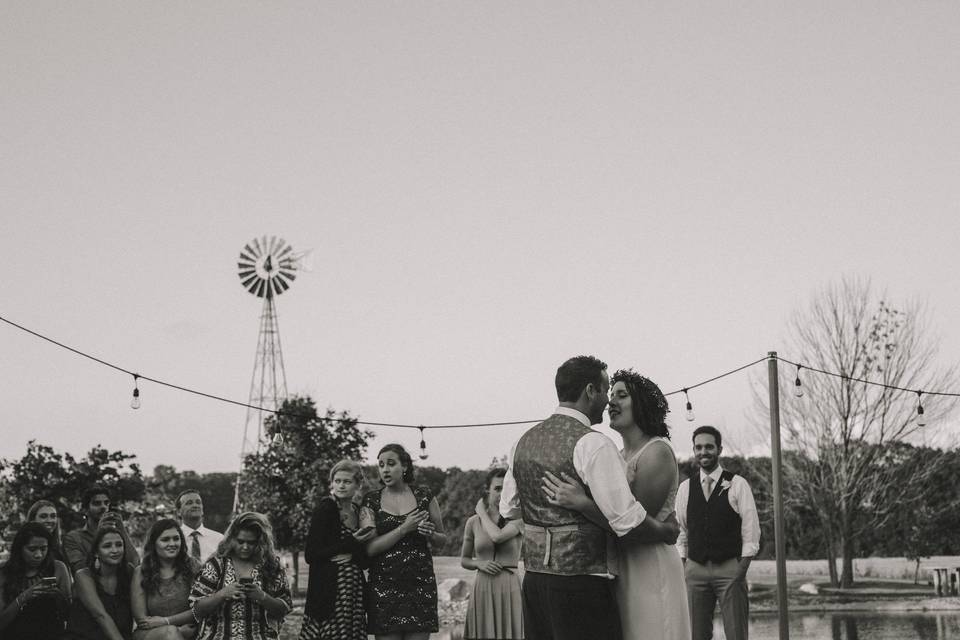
(278, 412)
(865, 381)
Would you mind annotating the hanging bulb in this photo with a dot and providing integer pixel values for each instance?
(921, 419)
(277, 439)
(423, 446)
(797, 385)
(690, 416)
(135, 402)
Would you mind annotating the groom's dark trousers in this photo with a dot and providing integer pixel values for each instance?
(569, 608)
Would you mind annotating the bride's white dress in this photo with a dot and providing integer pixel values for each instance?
(650, 587)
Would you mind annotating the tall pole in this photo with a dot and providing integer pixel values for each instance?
(774, 388)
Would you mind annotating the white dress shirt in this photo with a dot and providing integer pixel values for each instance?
(600, 467)
(741, 501)
(209, 540)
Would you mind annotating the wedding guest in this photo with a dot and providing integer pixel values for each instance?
(78, 543)
(335, 552)
(403, 589)
(161, 585)
(102, 608)
(202, 542)
(242, 591)
(34, 588)
(491, 546)
(45, 512)
(719, 536)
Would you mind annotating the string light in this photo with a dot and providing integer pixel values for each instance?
(135, 402)
(277, 440)
(423, 446)
(690, 416)
(797, 385)
(921, 419)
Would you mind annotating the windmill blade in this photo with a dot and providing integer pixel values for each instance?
(247, 258)
(289, 264)
(287, 249)
(290, 275)
(261, 285)
(259, 247)
(276, 287)
(247, 273)
(283, 283)
(280, 278)
(253, 251)
(251, 283)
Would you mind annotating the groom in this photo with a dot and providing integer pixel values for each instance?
(567, 588)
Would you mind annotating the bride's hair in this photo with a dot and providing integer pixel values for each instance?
(650, 407)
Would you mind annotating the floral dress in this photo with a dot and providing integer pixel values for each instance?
(241, 619)
(402, 585)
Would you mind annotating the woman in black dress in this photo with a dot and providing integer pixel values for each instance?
(403, 589)
(102, 608)
(334, 608)
(34, 588)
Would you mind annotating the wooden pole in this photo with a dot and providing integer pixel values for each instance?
(774, 389)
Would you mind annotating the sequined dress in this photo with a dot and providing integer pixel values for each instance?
(403, 588)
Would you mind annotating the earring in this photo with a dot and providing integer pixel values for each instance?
(96, 563)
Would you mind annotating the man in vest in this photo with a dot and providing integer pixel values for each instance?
(567, 588)
(719, 535)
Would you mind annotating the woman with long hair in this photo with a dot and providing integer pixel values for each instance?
(34, 588)
(242, 591)
(45, 512)
(334, 550)
(491, 547)
(403, 588)
(102, 608)
(650, 585)
(161, 585)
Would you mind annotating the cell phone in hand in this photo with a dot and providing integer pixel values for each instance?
(364, 530)
(246, 582)
(49, 581)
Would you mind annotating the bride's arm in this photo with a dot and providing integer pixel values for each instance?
(655, 471)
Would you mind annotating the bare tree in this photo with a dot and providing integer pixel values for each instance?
(840, 436)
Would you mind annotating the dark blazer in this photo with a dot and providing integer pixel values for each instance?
(323, 542)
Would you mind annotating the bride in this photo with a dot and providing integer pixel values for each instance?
(650, 587)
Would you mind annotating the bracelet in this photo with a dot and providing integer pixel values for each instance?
(166, 621)
(19, 604)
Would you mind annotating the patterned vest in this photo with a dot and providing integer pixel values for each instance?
(713, 527)
(556, 540)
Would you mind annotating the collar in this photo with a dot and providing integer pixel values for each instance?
(188, 530)
(715, 474)
(573, 413)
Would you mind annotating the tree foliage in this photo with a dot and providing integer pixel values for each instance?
(842, 434)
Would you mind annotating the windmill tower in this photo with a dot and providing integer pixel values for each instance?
(267, 266)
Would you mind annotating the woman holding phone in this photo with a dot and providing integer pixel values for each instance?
(335, 552)
(403, 587)
(242, 591)
(491, 546)
(34, 588)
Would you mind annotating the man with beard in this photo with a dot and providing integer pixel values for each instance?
(719, 535)
(568, 587)
(201, 541)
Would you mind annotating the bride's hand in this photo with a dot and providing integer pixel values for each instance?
(564, 491)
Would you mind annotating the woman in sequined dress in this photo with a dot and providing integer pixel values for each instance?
(334, 607)
(402, 601)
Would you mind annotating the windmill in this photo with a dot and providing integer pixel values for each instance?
(266, 268)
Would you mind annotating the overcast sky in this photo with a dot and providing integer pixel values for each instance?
(486, 188)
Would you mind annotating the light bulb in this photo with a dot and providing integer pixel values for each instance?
(135, 402)
(690, 416)
(921, 418)
(277, 439)
(798, 388)
(423, 446)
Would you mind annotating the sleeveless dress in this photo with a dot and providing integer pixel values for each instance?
(40, 619)
(349, 620)
(170, 599)
(496, 605)
(403, 588)
(650, 587)
(82, 625)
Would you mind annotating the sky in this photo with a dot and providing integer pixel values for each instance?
(484, 190)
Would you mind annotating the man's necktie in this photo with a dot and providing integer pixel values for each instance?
(195, 545)
(707, 487)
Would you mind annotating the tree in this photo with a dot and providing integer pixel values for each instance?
(843, 431)
(44, 473)
(286, 481)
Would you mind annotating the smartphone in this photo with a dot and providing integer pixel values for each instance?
(49, 581)
(245, 582)
(364, 531)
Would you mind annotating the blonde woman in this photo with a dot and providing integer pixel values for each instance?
(242, 591)
(335, 553)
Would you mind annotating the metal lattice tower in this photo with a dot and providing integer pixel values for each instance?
(267, 266)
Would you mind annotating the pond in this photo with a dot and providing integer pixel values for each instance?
(833, 626)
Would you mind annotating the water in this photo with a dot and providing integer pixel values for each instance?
(944, 625)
